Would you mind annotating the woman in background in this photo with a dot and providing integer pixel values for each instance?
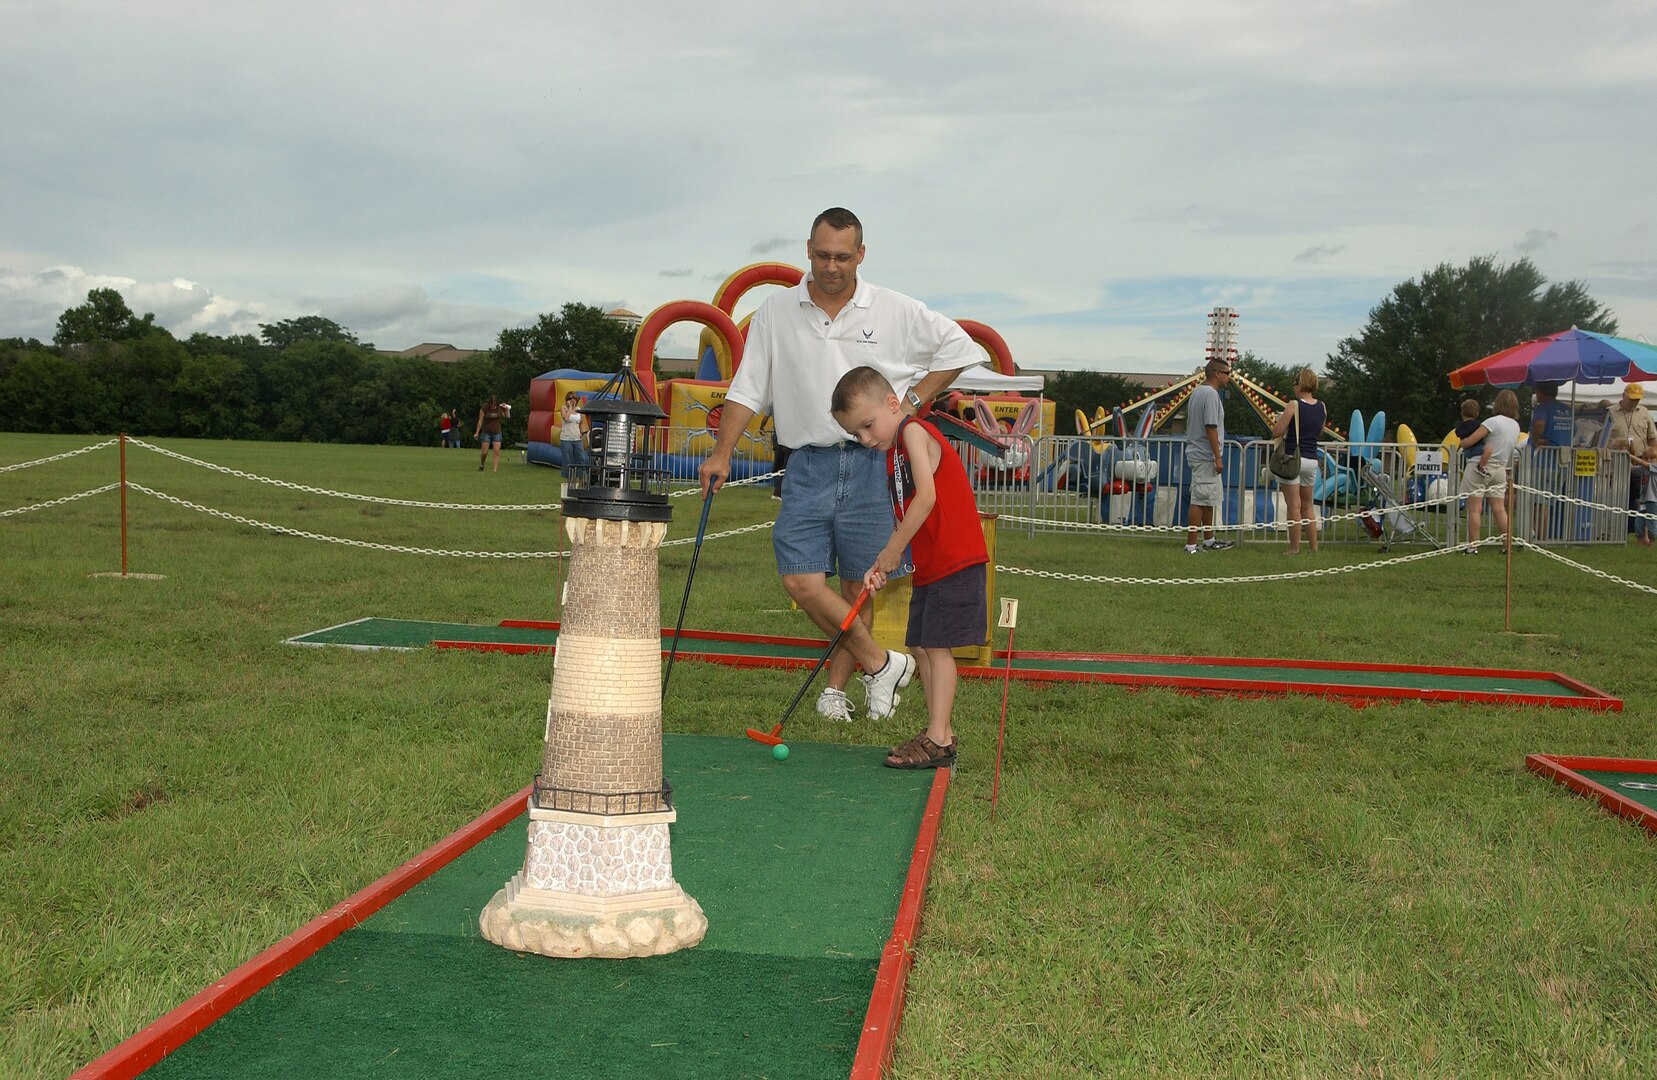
(1305, 417)
(488, 431)
(572, 448)
(1490, 452)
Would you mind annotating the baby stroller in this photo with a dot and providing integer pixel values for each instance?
(1384, 517)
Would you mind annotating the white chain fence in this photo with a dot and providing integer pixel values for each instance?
(1554, 496)
(309, 490)
(284, 530)
(1103, 579)
(1241, 579)
(1554, 555)
(56, 457)
(58, 502)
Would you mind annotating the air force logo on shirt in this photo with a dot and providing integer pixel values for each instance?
(867, 338)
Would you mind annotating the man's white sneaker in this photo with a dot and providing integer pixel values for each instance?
(834, 704)
(880, 698)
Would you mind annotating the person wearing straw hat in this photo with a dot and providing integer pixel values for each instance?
(1632, 429)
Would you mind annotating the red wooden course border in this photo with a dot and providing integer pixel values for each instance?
(880, 1022)
(144, 1048)
(1357, 695)
(1562, 769)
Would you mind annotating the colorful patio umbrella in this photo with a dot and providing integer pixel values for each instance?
(1573, 354)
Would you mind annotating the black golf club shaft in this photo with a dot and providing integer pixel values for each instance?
(845, 624)
(695, 553)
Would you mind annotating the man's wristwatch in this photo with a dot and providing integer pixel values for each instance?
(914, 400)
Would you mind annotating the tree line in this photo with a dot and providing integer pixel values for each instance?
(308, 379)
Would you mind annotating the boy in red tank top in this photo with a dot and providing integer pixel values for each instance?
(937, 520)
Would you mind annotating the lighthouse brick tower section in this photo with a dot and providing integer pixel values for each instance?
(597, 878)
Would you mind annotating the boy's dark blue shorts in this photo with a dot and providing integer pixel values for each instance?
(949, 612)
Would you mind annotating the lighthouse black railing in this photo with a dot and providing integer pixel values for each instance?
(608, 803)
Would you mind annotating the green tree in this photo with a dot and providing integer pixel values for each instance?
(135, 381)
(307, 393)
(41, 391)
(280, 335)
(104, 317)
(1087, 391)
(1241, 420)
(213, 397)
(578, 337)
(1451, 316)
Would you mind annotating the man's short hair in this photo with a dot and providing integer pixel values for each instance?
(838, 218)
(1215, 365)
(1547, 391)
(854, 386)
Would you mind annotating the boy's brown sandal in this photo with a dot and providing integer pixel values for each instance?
(921, 753)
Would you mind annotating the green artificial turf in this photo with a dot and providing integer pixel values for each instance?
(1613, 781)
(799, 866)
(411, 634)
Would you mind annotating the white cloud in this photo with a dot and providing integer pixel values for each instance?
(1056, 170)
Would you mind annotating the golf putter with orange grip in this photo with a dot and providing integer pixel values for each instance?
(775, 736)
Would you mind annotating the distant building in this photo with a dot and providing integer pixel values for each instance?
(441, 353)
(677, 367)
(629, 319)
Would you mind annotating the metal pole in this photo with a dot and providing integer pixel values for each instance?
(1507, 496)
(123, 443)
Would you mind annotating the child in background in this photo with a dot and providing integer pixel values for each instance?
(937, 520)
(1469, 424)
(1646, 471)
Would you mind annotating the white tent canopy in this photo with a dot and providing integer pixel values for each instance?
(983, 380)
(1585, 393)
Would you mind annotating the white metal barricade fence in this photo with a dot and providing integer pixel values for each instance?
(1392, 493)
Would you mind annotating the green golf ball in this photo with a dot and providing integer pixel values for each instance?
(780, 751)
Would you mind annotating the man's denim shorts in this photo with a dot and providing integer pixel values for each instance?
(836, 514)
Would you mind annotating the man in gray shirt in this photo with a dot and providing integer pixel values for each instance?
(1204, 444)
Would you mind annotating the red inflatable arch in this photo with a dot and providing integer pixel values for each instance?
(644, 342)
(751, 277)
(992, 341)
(731, 291)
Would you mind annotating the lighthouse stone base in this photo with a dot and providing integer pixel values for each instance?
(593, 887)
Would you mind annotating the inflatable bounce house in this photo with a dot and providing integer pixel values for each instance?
(546, 396)
(991, 402)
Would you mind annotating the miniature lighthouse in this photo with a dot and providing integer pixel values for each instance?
(598, 873)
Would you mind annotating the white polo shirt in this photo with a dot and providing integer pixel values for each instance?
(796, 354)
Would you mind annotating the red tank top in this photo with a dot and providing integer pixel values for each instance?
(951, 538)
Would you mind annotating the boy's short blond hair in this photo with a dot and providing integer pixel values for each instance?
(855, 385)
(1470, 409)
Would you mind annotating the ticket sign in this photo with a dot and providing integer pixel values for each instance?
(1587, 462)
(1429, 462)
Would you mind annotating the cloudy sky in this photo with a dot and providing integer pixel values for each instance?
(1087, 178)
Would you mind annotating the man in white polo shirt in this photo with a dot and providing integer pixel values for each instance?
(835, 514)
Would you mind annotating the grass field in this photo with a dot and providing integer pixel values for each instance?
(1171, 886)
